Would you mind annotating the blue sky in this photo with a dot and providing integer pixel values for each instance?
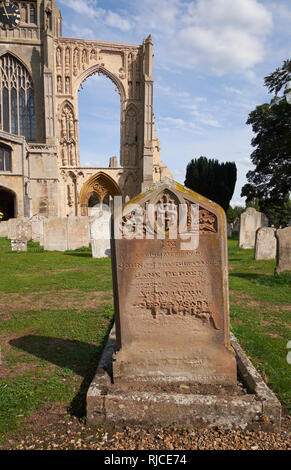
(210, 60)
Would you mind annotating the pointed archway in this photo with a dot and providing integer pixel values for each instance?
(7, 203)
(97, 189)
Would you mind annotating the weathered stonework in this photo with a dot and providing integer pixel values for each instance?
(255, 409)
(171, 301)
(266, 243)
(250, 221)
(283, 250)
(46, 177)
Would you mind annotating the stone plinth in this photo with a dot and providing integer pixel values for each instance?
(254, 408)
(266, 243)
(250, 221)
(283, 250)
(18, 245)
(171, 300)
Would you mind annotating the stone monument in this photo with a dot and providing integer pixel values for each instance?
(170, 358)
(37, 228)
(283, 250)
(266, 243)
(100, 232)
(250, 221)
(171, 302)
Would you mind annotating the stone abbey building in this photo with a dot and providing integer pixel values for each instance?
(40, 75)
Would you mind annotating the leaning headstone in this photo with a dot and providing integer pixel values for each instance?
(100, 233)
(171, 295)
(266, 243)
(250, 221)
(18, 245)
(283, 250)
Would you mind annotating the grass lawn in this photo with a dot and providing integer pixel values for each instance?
(56, 311)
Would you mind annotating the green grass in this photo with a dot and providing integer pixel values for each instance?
(50, 353)
(260, 314)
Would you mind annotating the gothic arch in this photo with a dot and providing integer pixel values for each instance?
(100, 69)
(20, 59)
(8, 203)
(100, 185)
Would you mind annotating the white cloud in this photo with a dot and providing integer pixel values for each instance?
(224, 35)
(116, 21)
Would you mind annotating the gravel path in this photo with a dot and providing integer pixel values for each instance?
(67, 433)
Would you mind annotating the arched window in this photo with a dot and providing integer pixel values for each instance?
(5, 158)
(16, 98)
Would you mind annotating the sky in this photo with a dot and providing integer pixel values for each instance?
(210, 60)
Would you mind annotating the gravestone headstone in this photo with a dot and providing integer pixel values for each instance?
(37, 228)
(283, 250)
(4, 228)
(229, 231)
(250, 221)
(65, 233)
(236, 225)
(171, 292)
(100, 233)
(266, 243)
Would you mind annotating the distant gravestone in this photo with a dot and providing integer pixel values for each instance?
(229, 231)
(250, 221)
(236, 225)
(37, 228)
(100, 233)
(283, 250)
(65, 233)
(266, 243)
(19, 229)
(171, 296)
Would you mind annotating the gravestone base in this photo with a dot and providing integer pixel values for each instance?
(180, 401)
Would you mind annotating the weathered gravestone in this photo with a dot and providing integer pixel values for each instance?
(19, 232)
(266, 243)
(100, 232)
(250, 221)
(65, 233)
(37, 228)
(175, 363)
(283, 250)
(229, 231)
(171, 297)
(19, 229)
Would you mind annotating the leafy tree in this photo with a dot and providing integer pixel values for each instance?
(233, 213)
(212, 179)
(270, 181)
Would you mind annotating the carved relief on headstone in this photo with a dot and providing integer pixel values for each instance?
(283, 249)
(68, 136)
(171, 300)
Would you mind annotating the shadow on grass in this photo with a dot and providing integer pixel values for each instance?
(265, 279)
(79, 357)
(80, 255)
